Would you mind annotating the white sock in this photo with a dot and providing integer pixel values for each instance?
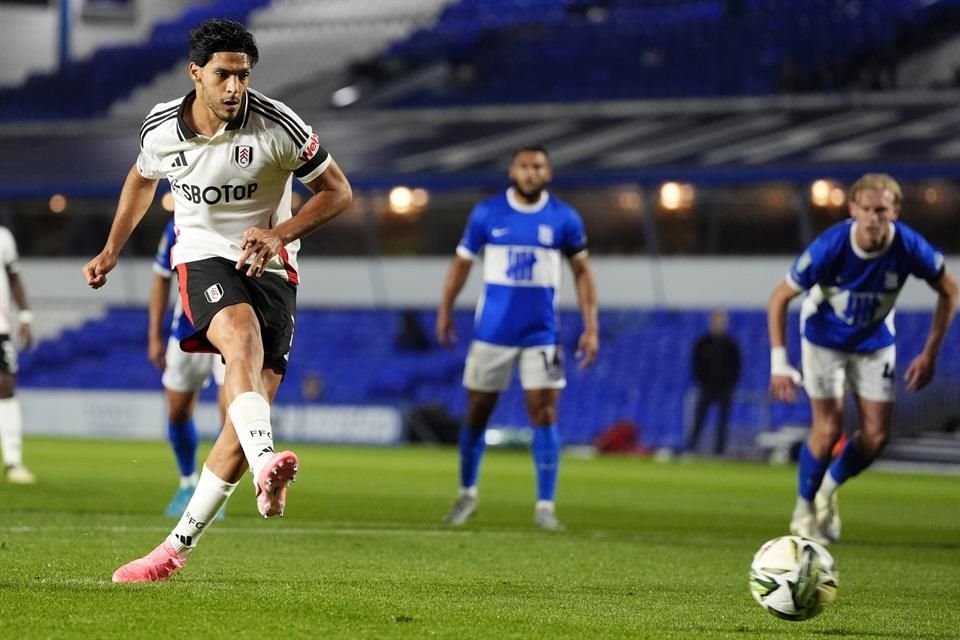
(11, 432)
(188, 481)
(469, 491)
(803, 506)
(208, 498)
(829, 486)
(546, 505)
(250, 414)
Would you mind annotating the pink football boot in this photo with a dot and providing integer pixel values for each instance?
(272, 483)
(157, 565)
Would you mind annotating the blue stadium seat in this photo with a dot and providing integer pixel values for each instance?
(642, 373)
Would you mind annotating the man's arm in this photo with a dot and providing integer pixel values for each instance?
(783, 377)
(921, 369)
(25, 316)
(452, 286)
(135, 199)
(331, 196)
(159, 299)
(589, 342)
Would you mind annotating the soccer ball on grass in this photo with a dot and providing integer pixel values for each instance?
(793, 578)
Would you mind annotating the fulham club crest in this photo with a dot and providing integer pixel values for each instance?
(243, 155)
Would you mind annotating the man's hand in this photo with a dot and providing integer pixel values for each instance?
(784, 379)
(784, 388)
(157, 353)
(587, 347)
(920, 372)
(445, 329)
(259, 247)
(95, 272)
(25, 335)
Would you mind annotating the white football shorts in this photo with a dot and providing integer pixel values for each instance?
(489, 367)
(186, 372)
(871, 375)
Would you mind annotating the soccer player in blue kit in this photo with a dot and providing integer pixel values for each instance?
(523, 234)
(852, 274)
(184, 374)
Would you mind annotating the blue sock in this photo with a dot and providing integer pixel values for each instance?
(546, 457)
(183, 440)
(849, 463)
(810, 473)
(472, 444)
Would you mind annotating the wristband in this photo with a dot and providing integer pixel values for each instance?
(778, 360)
(25, 316)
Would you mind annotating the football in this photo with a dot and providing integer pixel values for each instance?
(793, 578)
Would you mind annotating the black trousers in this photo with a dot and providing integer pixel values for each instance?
(708, 397)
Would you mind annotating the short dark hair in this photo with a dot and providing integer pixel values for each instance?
(535, 148)
(218, 35)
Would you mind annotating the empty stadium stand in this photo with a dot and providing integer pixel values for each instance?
(642, 375)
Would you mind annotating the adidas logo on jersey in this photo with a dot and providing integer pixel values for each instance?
(181, 160)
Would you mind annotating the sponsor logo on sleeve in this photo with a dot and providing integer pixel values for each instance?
(311, 149)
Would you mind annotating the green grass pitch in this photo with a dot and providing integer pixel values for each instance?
(651, 551)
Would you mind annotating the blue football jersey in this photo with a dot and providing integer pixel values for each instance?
(523, 246)
(180, 326)
(851, 293)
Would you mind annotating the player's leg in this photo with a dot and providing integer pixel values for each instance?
(471, 444)
(486, 373)
(872, 378)
(183, 376)
(824, 380)
(182, 435)
(219, 477)
(11, 417)
(723, 418)
(272, 331)
(545, 448)
(226, 321)
(249, 321)
(699, 417)
(542, 377)
(221, 473)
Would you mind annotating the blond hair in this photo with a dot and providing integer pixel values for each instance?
(878, 181)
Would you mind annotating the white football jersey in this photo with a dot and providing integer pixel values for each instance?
(236, 179)
(9, 263)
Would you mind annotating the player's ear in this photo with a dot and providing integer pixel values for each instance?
(193, 70)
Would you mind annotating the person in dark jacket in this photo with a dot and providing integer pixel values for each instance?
(716, 368)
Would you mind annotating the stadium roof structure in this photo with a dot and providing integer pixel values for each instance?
(707, 142)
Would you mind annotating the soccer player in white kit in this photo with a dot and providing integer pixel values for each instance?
(11, 417)
(852, 273)
(229, 154)
(523, 234)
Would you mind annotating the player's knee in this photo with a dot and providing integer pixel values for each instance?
(179, 415)
(6, 386)
(542, 415)
(823, 440)
(874, 443)
(479, 411)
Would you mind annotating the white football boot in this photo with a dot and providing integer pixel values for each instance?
(828, 517)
